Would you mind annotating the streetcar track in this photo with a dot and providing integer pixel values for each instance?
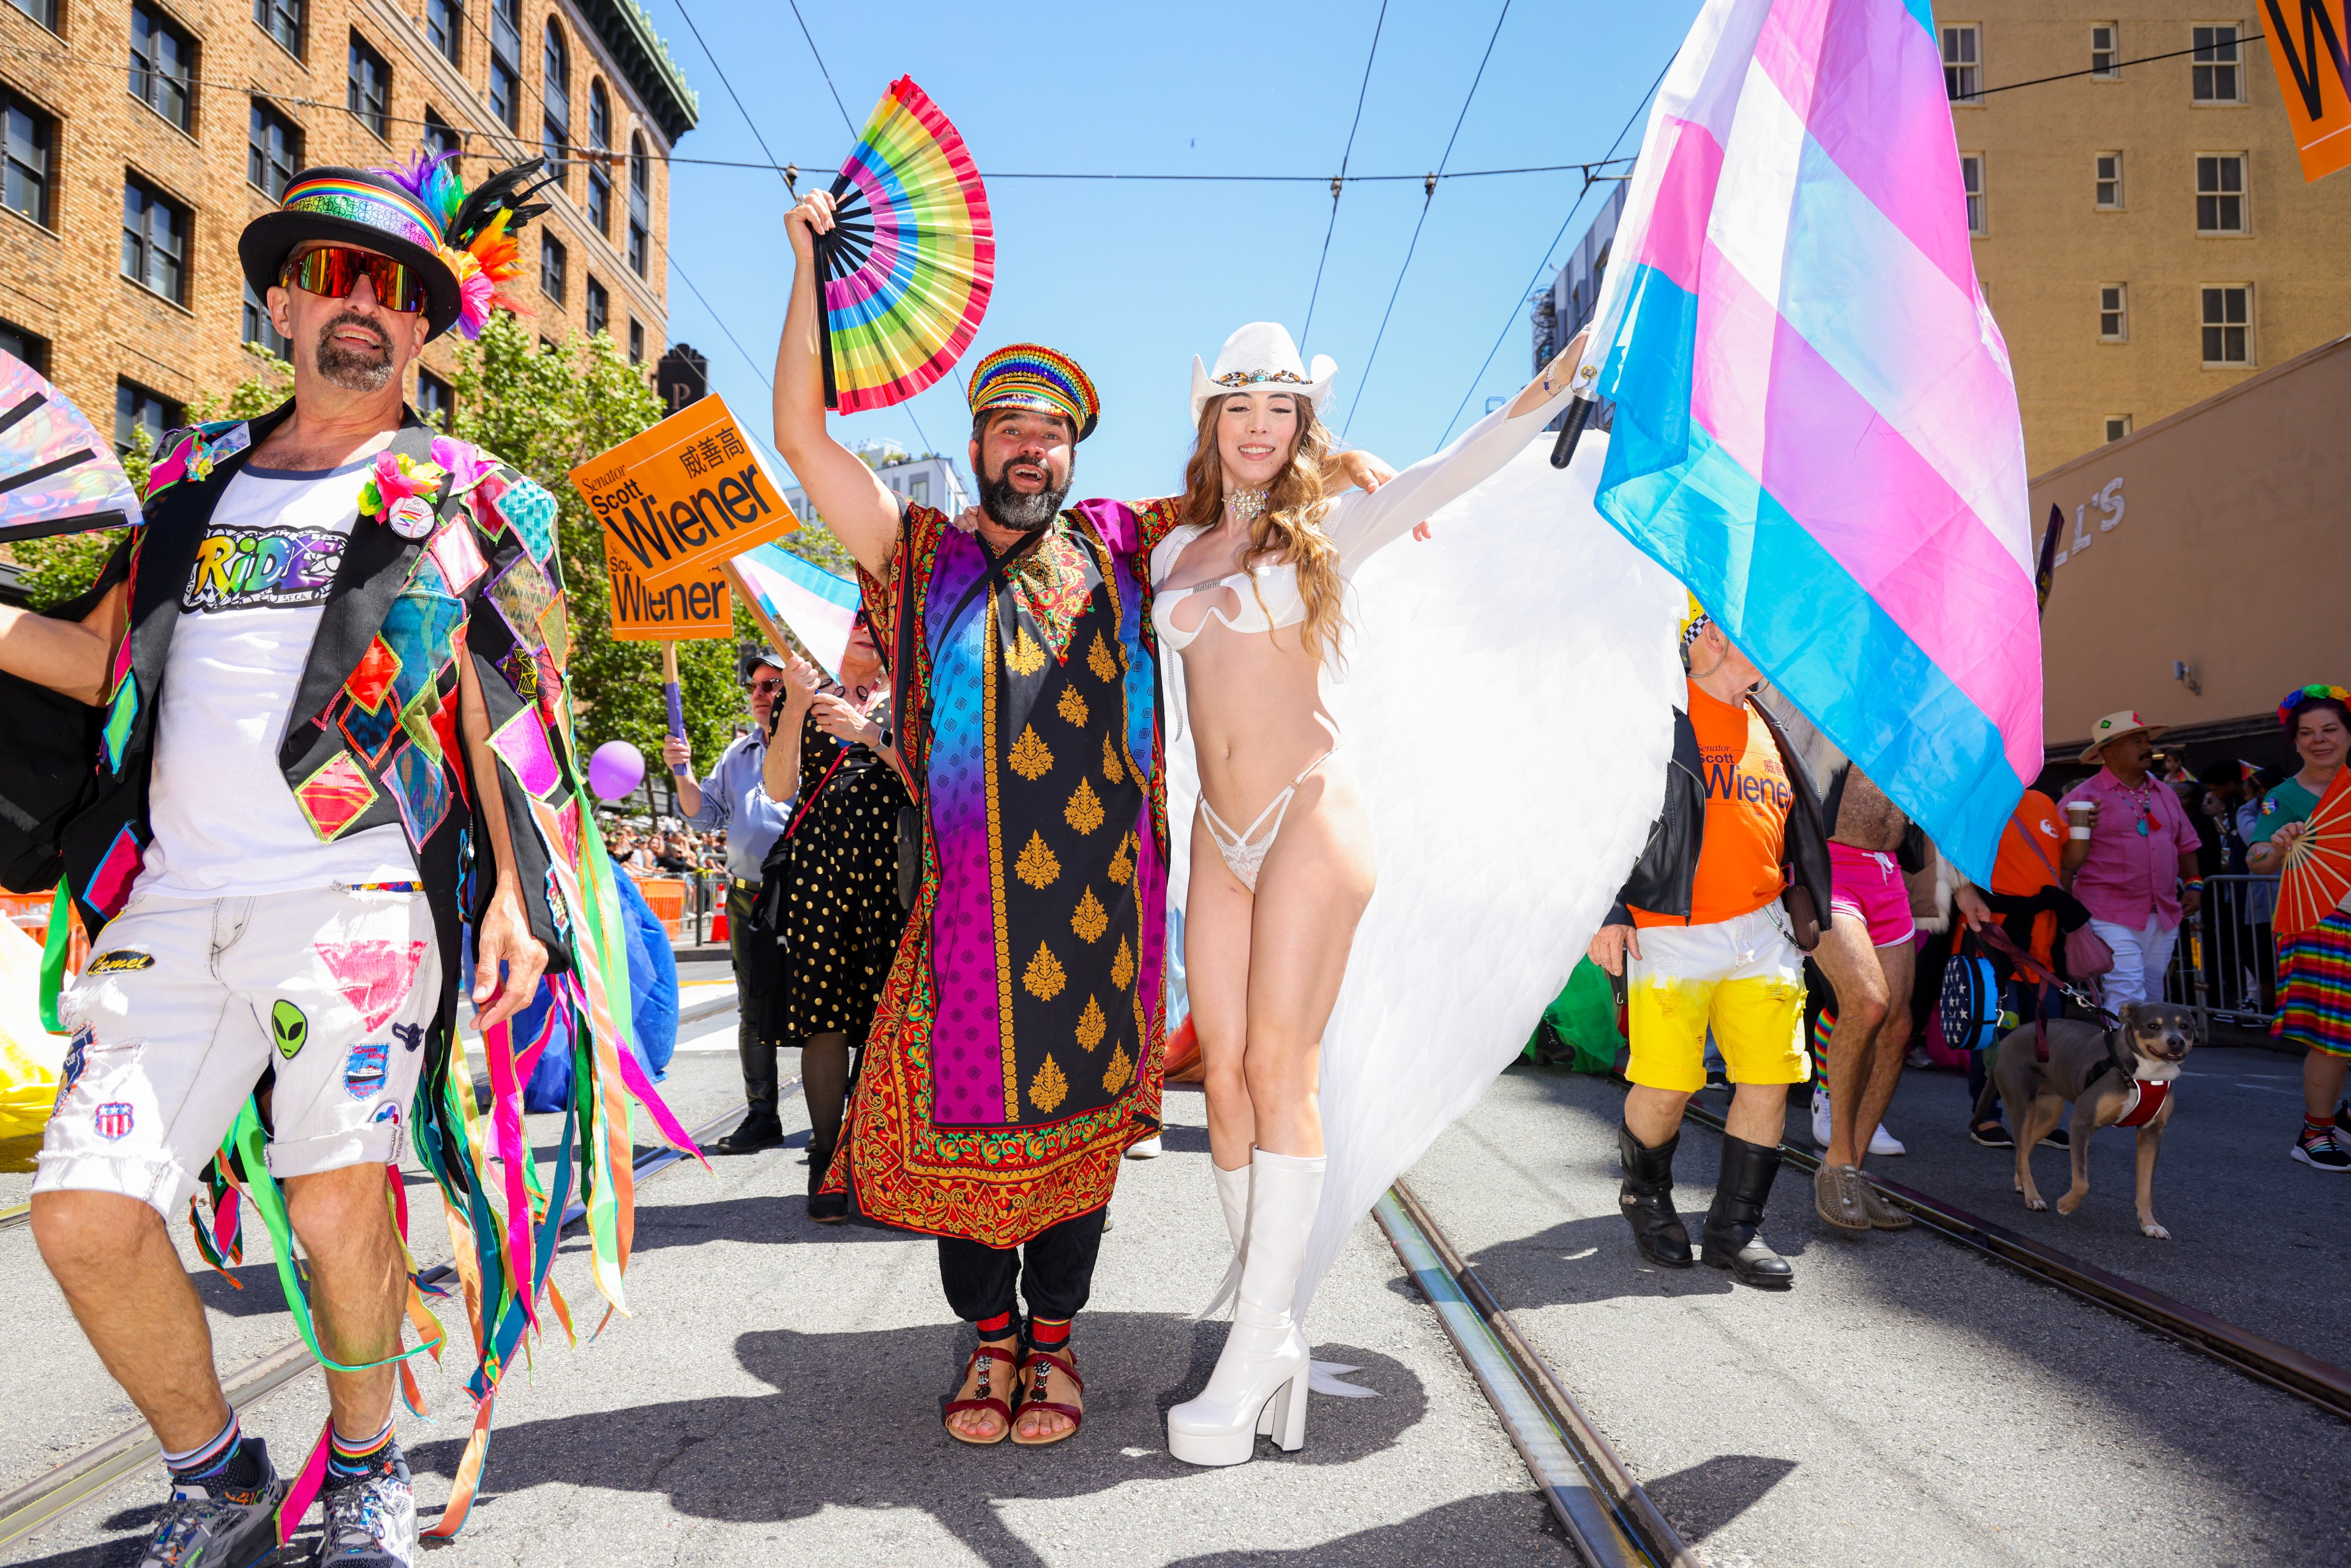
(1590, 1489)
(2255, 1355)
(108, 1463)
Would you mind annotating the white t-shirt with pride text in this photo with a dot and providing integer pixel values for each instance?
(226, 825)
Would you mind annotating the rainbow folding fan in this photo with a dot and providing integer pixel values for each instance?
(2318, 867)
(911, 260)
(58, 475)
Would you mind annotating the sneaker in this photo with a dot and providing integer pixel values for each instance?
(1993, 1136)
(370, 1520)
(1820, 1118)
(2322, 1151)
(228, 1528)
(2343, 1117)
(1144, 1149)
(1882, 1142)
(2058, 1138)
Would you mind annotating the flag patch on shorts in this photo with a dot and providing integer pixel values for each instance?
(121, 961)
(363, 1070)
(76, 1058)
(114, 1119)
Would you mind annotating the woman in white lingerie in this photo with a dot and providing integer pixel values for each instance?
(1250, 594)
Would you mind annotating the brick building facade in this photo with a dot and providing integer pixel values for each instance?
(139, 137)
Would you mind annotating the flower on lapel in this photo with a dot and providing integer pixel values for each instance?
(395, 479)
(464, 461)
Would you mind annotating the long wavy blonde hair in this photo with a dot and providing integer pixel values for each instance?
(1289, 529)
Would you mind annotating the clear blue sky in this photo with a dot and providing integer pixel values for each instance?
(1133, 278)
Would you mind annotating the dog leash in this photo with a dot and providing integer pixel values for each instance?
(2000, 942)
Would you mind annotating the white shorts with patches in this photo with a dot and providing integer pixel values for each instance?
(185, 1003)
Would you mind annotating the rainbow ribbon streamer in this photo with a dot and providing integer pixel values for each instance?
(1816, 426)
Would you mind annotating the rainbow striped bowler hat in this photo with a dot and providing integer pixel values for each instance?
(1032, 376)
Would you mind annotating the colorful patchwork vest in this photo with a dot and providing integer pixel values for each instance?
(1015, 1053)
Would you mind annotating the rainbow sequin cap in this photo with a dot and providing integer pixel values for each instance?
(460, 242)
(1032, 376)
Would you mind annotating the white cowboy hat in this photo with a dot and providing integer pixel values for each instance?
(2115, 727)
(1262, 357)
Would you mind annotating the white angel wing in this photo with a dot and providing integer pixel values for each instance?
(1510, 711)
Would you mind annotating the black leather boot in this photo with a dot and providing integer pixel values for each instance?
(760, 1130)
(1730, 1239)
(823, 1207)
(1648, 1199)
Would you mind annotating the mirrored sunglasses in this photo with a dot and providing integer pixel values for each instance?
(333, 271)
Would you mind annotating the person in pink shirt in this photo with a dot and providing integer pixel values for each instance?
(2133, 860)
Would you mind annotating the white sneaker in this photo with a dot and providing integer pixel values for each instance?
(1882, 1142)
(1821, 1118)
(1147, 1149)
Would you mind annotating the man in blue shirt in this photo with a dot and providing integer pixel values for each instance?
(732, 798)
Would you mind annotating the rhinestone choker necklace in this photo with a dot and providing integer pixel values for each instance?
(1248, 505)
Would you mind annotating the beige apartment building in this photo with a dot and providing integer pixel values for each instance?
(139, 137)
(2143, 232)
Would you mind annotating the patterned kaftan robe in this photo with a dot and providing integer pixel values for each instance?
(1017, 1050)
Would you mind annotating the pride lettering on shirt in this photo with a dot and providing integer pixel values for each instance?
(251, 569)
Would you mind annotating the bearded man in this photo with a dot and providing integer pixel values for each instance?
(1016, 1053)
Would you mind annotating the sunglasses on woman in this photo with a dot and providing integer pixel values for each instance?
(332, 271)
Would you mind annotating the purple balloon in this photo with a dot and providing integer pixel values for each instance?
(614, 769)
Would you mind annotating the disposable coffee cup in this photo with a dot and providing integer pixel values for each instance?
(2077, 817)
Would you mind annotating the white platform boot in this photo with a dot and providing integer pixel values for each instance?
(1264, 1366)
(1232, 1196)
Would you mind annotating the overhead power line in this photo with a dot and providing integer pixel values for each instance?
(1428, 198)
(1338, 181)
(1589, 181)
(2116, 69)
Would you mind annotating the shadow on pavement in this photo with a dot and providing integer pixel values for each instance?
(1701, 1499)
(1459, 1531)
(855, 1422)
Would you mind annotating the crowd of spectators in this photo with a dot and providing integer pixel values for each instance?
(665, 847)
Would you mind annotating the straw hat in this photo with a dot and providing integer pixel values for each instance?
(1262, 357)
(2116, 727)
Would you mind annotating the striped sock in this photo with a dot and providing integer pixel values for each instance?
(1045, 1334)
(2315, 1127)
(1000, 1327)
(225, 1464)
(347, 1459)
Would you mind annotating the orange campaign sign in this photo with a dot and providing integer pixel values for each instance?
(695, 605)
(2310, 44)
(679, 498)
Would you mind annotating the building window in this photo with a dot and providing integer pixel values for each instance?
(1971, 180)
(368, 94)
(2106, 52)
(599, 141)
(137, 409)
(154, 241)
(506, 61)
(163, 66)
(599, 306)
(2113, 313)
(2228, 324)
(434, 401)
(259, 329)
(1963, 63)
(2215, 69)
(438, 136)
(282, 20)
(26, 136)
(45, 12)
(636, 342)
(552, 265)
(918, 490)
(2110, 181)
(444, 28)
(641, 205)
(273, 151)
(2220, 193)
(555, 97)
(2118, 426)
(29, 346)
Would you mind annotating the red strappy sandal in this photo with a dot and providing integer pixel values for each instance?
(986, 1401)
(1038, 1395)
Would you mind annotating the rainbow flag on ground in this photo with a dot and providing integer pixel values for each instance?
(1815, 423)
(817, 606)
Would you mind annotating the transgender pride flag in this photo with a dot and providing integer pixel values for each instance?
(1815, 423)
(818, 607)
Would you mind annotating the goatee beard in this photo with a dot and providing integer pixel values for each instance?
(1012, 509)
(348, 368)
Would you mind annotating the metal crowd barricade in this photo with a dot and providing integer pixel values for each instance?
(2225, 966)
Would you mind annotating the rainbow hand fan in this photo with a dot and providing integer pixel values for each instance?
(911, 260)
(2318, 866)
(58, 475)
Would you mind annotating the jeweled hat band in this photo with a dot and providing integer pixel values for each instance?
(394, 212)
(1031, 376)
(1251, 377)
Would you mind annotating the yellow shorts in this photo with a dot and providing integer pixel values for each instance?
(1743, 979)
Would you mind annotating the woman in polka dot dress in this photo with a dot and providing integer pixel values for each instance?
(829, 886)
